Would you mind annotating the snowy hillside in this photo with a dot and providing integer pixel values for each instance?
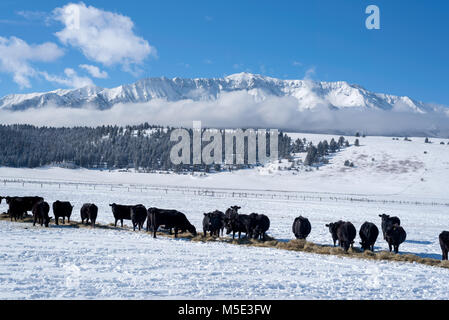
(384, 167)
(397, 177)
(309, 94)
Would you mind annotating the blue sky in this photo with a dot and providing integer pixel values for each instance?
(322, 40)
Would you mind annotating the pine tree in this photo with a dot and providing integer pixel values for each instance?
(312, 155)
(333, 146)
(326, 146)
(320, 149)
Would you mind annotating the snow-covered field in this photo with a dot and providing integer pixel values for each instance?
(383, 167)
(62, 262)
(66, 263)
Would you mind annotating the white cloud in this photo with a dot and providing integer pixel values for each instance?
(35, 16)
(241, 110)
(71, 79)
(102, 36)
(16, 57)
(297, 64)
(310, 73)
(94, 71)
(184, 65)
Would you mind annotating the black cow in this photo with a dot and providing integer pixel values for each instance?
(346, 233)
(222, 217)
(138, 216)
(62, 209)
(21, 205)
(1, 198)
(333, 227)
(387, 222)
(121, 212)
(231, 211)
(89, 211)
(368, 234)
(170, 219)
(40, 213)
(213, 222)
(301, 227)
(28, 202)
(17, 208)
(395, 235)
(236, 222)
(260, 223)
(444, 243)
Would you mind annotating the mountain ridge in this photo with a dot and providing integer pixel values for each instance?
(308, 93)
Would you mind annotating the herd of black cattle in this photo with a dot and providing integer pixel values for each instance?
(253, 225)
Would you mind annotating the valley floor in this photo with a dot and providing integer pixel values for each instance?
(69, 263)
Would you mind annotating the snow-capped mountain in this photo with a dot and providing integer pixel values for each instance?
(309, 94)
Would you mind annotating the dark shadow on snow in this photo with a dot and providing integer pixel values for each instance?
(418, 242)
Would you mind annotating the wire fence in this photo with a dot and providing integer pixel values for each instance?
(213, 192)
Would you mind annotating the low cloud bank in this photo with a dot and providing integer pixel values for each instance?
(241, 110)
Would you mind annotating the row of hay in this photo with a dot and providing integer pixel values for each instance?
(305, 246)
(292, 245)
